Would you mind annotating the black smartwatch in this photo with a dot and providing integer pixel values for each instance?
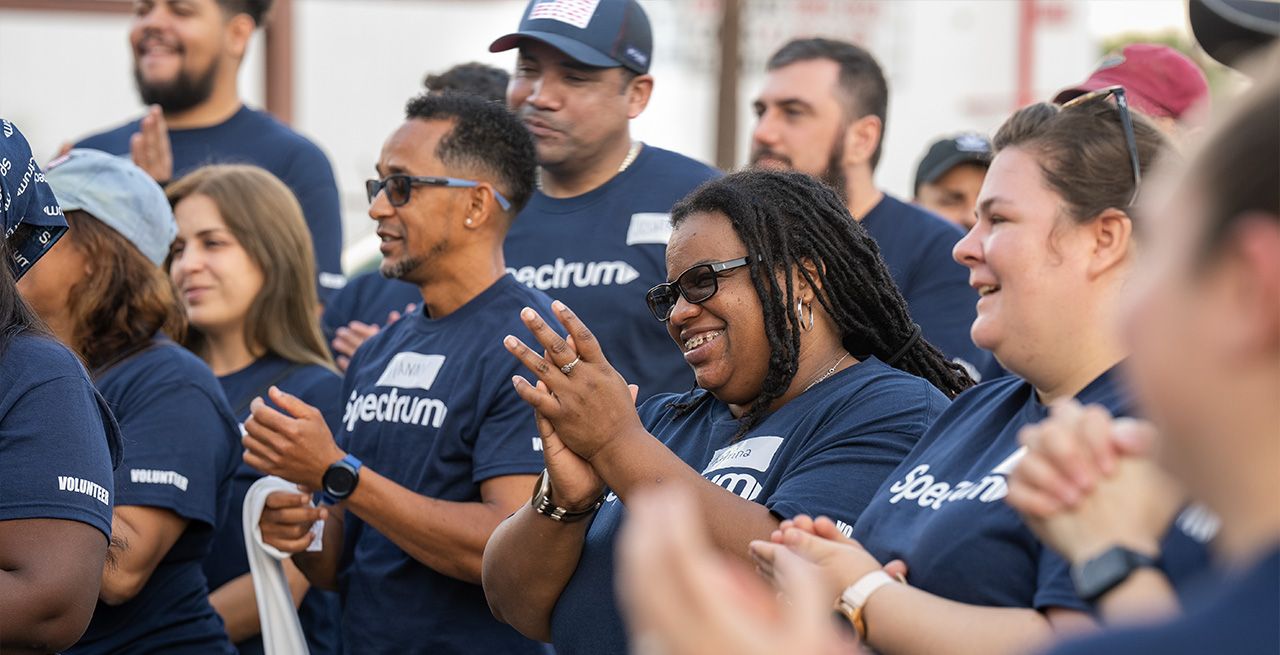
(1094, 578)
(340, 479)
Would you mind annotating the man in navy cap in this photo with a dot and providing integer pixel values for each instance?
(950, 176)
(595, 233)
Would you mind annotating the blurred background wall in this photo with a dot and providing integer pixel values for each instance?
(340, 71)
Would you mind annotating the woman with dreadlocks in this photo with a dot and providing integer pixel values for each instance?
(813, 385)
(1051, 252)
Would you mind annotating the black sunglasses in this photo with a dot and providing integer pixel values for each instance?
(697, 284)
(1126, 123)
(399, 187)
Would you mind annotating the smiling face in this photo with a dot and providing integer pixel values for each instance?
(723, 339)
(1027, 261)
(178, 47)
(572, 110)
(216, 279)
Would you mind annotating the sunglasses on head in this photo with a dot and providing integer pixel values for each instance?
(696, 285)
(399, 188)
(1126, 123)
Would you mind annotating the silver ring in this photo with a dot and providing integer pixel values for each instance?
(568, 368)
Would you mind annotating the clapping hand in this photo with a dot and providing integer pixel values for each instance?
(580, 395)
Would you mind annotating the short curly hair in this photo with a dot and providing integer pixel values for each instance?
(482, 80)
(486, 138)
(256, 9)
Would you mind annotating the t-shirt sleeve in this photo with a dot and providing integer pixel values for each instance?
(1054, 587)
(54, 457)
(838, 477)
(175, 453)
(311, 179)
(507, 441)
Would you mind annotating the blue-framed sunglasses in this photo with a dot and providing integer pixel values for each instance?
(399, 187)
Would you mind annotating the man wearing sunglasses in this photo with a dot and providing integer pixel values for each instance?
(822, 111)
(435, 447)
(595, 233)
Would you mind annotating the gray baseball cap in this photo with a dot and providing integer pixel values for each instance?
(115, 191)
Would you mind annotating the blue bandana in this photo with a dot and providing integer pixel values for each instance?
(33, 221)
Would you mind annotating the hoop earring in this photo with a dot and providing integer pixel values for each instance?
(800, 307)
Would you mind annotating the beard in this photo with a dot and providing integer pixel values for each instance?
(398, 269)
(412, 268)
(833, 176)
(179, 94)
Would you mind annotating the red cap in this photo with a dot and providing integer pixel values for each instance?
(1159, 80)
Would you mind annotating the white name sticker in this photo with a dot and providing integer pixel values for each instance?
(577, 13)
(411, 371)
(754, 453)
(649, 228)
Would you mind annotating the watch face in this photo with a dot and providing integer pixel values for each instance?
(1100, 574)
(339, 482)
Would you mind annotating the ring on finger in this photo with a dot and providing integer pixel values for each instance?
(568, 368)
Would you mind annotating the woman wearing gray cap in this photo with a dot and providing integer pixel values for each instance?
(102, 292)
(58, 441)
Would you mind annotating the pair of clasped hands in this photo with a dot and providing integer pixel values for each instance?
(578, 414)
(1087, 482)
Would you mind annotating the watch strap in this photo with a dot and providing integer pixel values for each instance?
(542, 503)
(854, 598)
(1097, 576)
(349, 462)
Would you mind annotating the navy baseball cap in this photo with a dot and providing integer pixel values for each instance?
(602, 33)
(946, 154)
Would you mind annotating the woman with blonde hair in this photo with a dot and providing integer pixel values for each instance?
(242, 264)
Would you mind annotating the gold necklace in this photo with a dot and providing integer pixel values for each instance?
(831, 371)
(631, 157)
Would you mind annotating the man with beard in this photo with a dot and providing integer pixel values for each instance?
(822, 112)
(595, 233)
(187, 56)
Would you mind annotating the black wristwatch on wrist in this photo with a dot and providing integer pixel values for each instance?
(340, 480)
(1099, 575)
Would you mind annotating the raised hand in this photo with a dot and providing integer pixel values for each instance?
(149, 146)
(295, 444)
(589, 405)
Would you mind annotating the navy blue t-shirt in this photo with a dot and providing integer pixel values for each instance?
(916, 245)
(180, 450)
(368, 298)
(430, 405)
(600, 252)
(321, 388)
(942, 511)
(1238, 617)
(823, 453)
(58, 439)
(256, 137)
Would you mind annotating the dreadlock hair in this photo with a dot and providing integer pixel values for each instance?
(787, 220)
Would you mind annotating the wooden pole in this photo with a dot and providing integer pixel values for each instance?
(727, 99)
(279, 61)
